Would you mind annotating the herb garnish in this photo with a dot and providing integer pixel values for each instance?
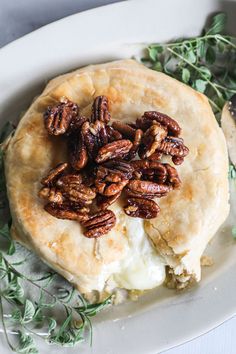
(205, 63)
(28, 316)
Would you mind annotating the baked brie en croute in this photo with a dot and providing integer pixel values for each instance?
(135, 252)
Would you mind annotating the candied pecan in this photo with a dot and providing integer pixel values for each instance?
(152, 116)
(152, 139)
(174, 147)
(117, 149)
(51, 194)
(75, 125)
(177, 160)
(54, 173)
(95, 136)
(99, 224)
(155, 156)
(104, 202)
(74, 191)
(64, 211)
(148, 187)
(141, 208)
(78, 155)
(113, 134)
(125, 129)
(136, 144)
(173, 177)
(120, 166)
(57, 119)
(100, 110)
(150, 170)
(109, 182)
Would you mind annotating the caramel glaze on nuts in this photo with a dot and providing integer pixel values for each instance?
(102, 164)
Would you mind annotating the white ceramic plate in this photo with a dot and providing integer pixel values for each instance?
(162, 318)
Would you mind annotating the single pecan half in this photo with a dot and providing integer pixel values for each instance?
(54, 174)
(100, 110)
(57, 119)
(152, 139)
(51, 194)
(148, 188)
(95, 136)
(172, 176)
(99, 224)
(114, 150)
(64, 211)
(126, 130)
(156, 156)
(112, 134)
(152, 116)
(177, 160)
(109, 182)
(174, 147)
(136, 144)
(74, 191)
(119, 166)
(150, 170)
(78, 155)
(104, 202)
(141, 208)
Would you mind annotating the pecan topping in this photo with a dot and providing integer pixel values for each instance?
(64, 211)
(124, 129)
(51, 194)
(104, 155)
(100, 110)
(54, 173)
(149, 188)
(151, 117)
(58, 118)
(117, 149)
(78, 155)
(141, 208)
(104, 202)
(174, 147)
(99, 223)
(95, 136)
(152, 140)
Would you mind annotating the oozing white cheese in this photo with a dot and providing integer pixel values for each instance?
(142, 268)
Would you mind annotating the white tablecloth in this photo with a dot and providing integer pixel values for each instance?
(18, 17)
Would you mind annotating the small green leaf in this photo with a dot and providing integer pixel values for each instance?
(185, 75)
(210, 55)
(200, 85)
(221, 46)
(29, 311)
(218, 24)
(234, 232)
(206, 72)
(152, 53)
(190, 56)
(157, 66)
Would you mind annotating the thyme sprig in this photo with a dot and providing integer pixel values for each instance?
(205, 63)
(25, 315)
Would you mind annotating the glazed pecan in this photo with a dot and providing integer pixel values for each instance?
(74, 191)
(150, 170)
(177, 160)
(78, 155)
(136, 144)
(156, 156)
(57, 119)
(148, 188)
(54, 174)
(95, 136)
(100, 110)
(152, 140)
(172, 176)
(109, 182)
(151, 117)
(76, 125)
(113, 134)
(104, 202)
(99, 224)
(141, 208)
(126, 130)
(64, 211)
(51, 194)
(119, 166)
(174, 147)
(117, 149)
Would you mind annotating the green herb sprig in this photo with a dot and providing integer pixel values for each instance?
(29, 317)
(206, 63)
